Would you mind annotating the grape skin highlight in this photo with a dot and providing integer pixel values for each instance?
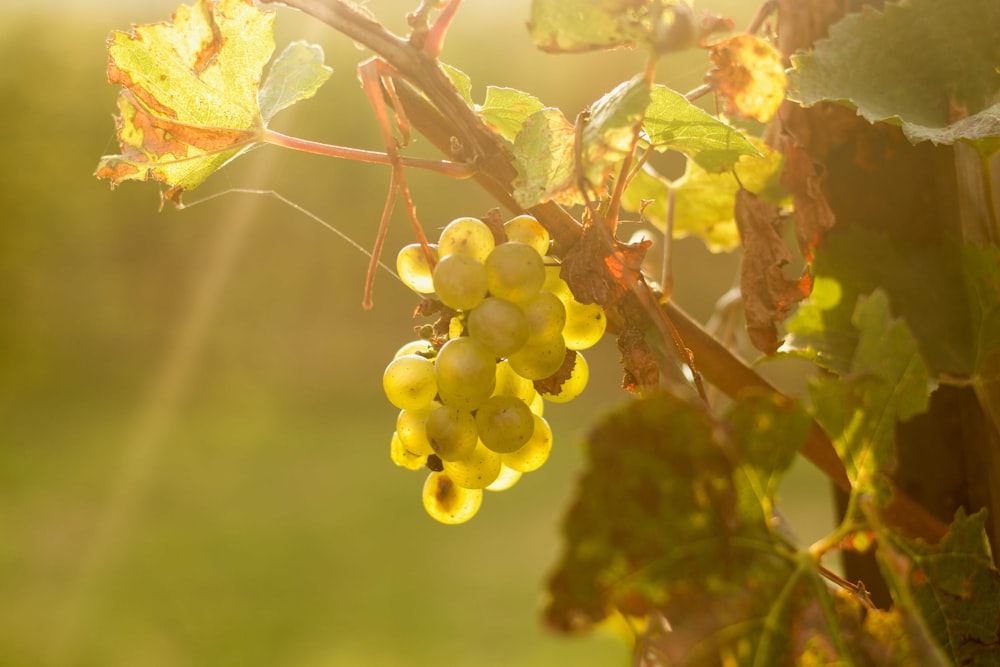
(447, 502)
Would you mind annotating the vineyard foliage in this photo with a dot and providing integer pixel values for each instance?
(673, 530)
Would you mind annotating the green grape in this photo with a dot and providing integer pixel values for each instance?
(505, 424)
(585, 324)
(422, 348)
(460, 281)
(537, 404)
(499, 325)
(452, 433)
(525, 229)
(574, 385)
(514, 271)
(477, 471)
(414, 269)
(546, 316)
(535, 452)
(466, 373)
(409, 382)
(507, 478)
(466, 236)
(510, 383)
(538, 361)
(412, 431)
(553, 283)
(447, 502)
(403, 457)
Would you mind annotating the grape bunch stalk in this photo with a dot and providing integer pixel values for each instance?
(471, 389)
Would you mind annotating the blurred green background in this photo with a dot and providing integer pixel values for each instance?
(193, 441)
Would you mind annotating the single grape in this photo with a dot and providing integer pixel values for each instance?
(574, 385)
(403, 457)
(535, 452)
(414, 269)
(537, 403)
(409, 382)
(510, 383)
(505, 423)
(447, 502)
(554, 283)
(499, 325)
(538, 361)
(477, 471)
(466, 373)
(546, 317)
(514, 271)
(419, 347)
(466, 236)
(452, 433)
(525, 229)
(585, 324)
(507, 478)
(412, 431)
(460, 281)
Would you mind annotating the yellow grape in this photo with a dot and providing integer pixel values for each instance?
(535, 452)
(514, 271)
(409, 382)
(414, 269)
(585, 324)
(508, 477)
(452, 433)
(477, 471)
(403, 457)
(546, 317)
(447, 502)
(460, 281)
(466, 373)
(574, 385)
(466, 236)
(540, 360)
(420, 347)
(525, 229)
(504, 423)
(411, 427)
(499, 325)
(510, 383)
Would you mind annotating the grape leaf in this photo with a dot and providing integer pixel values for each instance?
(461, 81)
(952, 585)
(948, 293)
(295, 75)
(610, 128)
(673, 123)
(750, 73)
(887, 382)
(767, 293)
(673, 516)
(703, 201)
(928, 66)
(505, 110)
(545, 157)
(572, 26)
(190, 100)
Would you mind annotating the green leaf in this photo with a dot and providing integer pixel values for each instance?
(189, 103)
(887, 382)
(544, 154)
(673, 123)
(953, 586)
(926, 65)
(703, 201)
(948, 293)
(610, 129)
(505, 110)
(295, 75)
(569, 26)
(461, 80)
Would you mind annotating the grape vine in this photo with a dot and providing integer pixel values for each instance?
(673, 531)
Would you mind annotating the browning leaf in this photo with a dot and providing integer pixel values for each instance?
(813, 215)
(553, 384)
(767, 293)
(642, 373)
(599, 268)
(750, 74)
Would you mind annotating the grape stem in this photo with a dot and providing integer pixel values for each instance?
(452, 169)
(441, 114)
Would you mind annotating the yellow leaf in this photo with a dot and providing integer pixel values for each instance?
(189, 98)
(750, 74)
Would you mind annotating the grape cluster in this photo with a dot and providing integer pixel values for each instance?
(471, 399)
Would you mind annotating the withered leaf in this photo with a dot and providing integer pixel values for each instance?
(750, 74)
(767, 293)
(813, 215)
(553, 384)
(599, 268)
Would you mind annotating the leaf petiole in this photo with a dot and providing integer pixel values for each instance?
(452, 169)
